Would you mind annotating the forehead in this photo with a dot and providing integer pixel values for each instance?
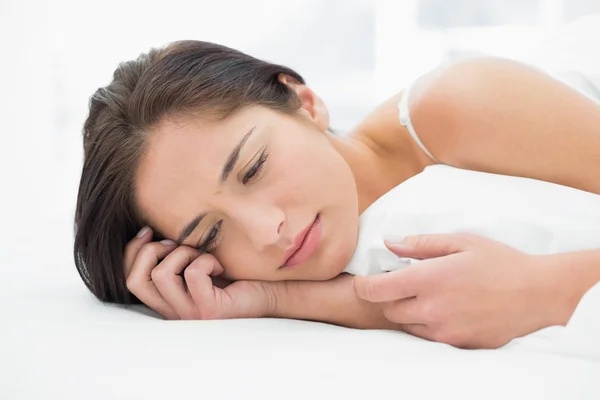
(175, 138)
(182, 163)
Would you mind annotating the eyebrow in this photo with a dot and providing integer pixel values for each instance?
(226, 171)
(233, 157)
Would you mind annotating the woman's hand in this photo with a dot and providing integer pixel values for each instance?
(472, 292)
(154, 270)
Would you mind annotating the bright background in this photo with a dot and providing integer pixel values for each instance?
(354, 53)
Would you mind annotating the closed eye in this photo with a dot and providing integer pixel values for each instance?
(207, 245)
(256, 168)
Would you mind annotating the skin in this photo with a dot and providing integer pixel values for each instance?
(518, 293)
(289, 170)
(489, 115)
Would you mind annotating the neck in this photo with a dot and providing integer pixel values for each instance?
(376, 170)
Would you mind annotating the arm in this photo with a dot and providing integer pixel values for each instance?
(504, 117)
(473, 292)
(332, 301)
(496, 116)
(570, 276)
(500, 116)
(157, 281)
(557, 284)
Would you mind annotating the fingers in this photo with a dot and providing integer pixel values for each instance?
(420, 330)
(200, 285)
(139, 281)
(167, 278)
(435, 245)
(412, 315)
(133, 247)
(405, 311)
(400, 284)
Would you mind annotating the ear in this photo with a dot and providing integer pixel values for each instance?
(313, 106)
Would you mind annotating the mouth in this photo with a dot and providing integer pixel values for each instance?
(305, 244)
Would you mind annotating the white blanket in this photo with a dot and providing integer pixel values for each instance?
(57, 342)
(533, 216)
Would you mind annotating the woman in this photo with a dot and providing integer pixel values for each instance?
(230, 161)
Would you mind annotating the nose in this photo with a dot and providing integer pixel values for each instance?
(263, 222)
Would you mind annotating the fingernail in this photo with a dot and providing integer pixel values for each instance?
(396, 243)
(143, 232)
(168, 242)
(398, 246)
(393, 238)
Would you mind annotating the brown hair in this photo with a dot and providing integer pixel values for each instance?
(184, 77)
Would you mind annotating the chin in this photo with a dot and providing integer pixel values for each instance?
(340, 259)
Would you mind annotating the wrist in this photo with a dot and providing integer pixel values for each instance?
(332, 301)
(272, 291)
(566, 278)
(287, 295)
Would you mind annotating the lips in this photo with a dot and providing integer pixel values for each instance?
(305, 244)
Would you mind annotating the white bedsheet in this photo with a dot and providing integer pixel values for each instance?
(57, 342)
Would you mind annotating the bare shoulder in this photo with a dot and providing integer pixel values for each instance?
(434, 99)
(503, 116)
(455, 98)
(494, 115)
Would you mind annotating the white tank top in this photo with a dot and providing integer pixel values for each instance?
(404, 114)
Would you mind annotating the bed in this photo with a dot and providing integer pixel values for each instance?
(58, 342)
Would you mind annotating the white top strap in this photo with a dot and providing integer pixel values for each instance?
(405, 120)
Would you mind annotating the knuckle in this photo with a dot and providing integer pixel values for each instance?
(148, 249)
(192, 273)
(132, 285)
(180, 250)
(422, 241)
(158, 274)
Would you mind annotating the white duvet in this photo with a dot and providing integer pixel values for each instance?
(533, 216)
(57, 342)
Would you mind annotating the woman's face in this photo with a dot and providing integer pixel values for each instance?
(248, 188)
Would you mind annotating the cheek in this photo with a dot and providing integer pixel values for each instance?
(300, 174)
(240, 262)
